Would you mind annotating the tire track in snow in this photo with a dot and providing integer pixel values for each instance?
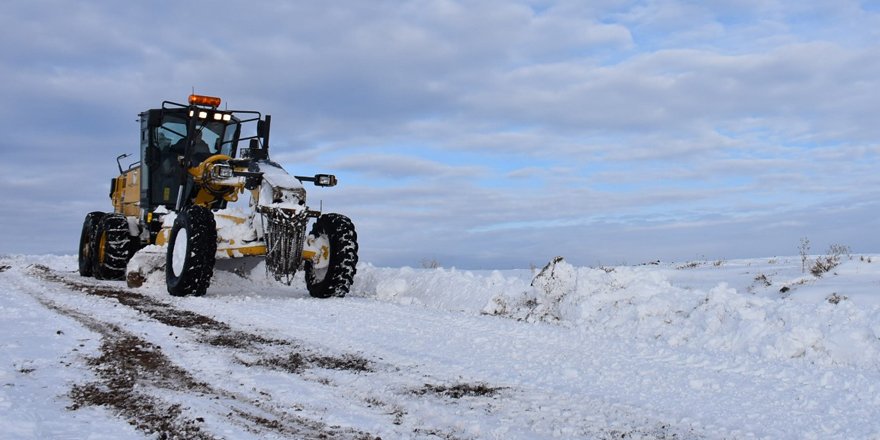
(129, 367)
(402, 401)
(287, 356)
(560, 383)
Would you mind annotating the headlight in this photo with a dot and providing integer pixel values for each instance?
(221, 171)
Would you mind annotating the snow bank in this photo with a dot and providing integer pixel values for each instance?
(641, 302)
(446, 289)
(757, 307)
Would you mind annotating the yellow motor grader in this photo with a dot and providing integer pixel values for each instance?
(174, 201)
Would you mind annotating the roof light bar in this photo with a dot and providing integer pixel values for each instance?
(211, 101)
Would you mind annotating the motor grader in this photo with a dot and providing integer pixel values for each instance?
(175, 200)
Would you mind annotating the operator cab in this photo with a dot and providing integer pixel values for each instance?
(177, 136)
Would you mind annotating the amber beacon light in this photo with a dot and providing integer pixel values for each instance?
(211, 101)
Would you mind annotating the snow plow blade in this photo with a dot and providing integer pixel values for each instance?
(147, 262)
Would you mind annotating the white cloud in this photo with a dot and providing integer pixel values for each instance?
(593, 128)
(388, 166)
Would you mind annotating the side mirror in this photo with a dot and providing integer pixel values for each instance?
(261, 127)
(319, 179)
(325, 180)
(255, 152)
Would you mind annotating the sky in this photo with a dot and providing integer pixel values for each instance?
(477, 134)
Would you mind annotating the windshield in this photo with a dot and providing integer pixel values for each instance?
(217, 134)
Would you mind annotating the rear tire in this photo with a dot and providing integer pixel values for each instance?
(86, 258)
(336, 278)
(189, 263)
(110, 247)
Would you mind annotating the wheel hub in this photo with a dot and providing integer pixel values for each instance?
(180, 250)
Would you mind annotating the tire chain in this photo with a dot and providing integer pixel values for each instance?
(284, 235)
(117, 247)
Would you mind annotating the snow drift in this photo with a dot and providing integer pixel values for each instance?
(834, 320)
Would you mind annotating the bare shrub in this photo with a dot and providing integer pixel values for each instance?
(763, 280)
(835, 299)
(804, 250)
(691, 265)
(430, 263)
(825, 264)
(839, 250)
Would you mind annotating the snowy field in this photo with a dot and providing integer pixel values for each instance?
(737, 349)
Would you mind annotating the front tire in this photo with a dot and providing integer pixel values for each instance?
(336, 278)
(86, 258)
(110, 247)
(189, 263)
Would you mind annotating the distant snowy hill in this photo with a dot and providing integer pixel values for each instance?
(758, 348)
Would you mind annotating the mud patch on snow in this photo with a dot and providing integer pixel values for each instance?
(436, 433)
(128, 363)
(162, 312)
(396, 411)
(143, 412)
(659, 432)
(217, 333)
(301, 428)
(297, 362)
(240, 340)
(128, 359)
(458, 391)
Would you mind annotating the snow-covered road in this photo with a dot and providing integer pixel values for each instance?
(444, 354)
